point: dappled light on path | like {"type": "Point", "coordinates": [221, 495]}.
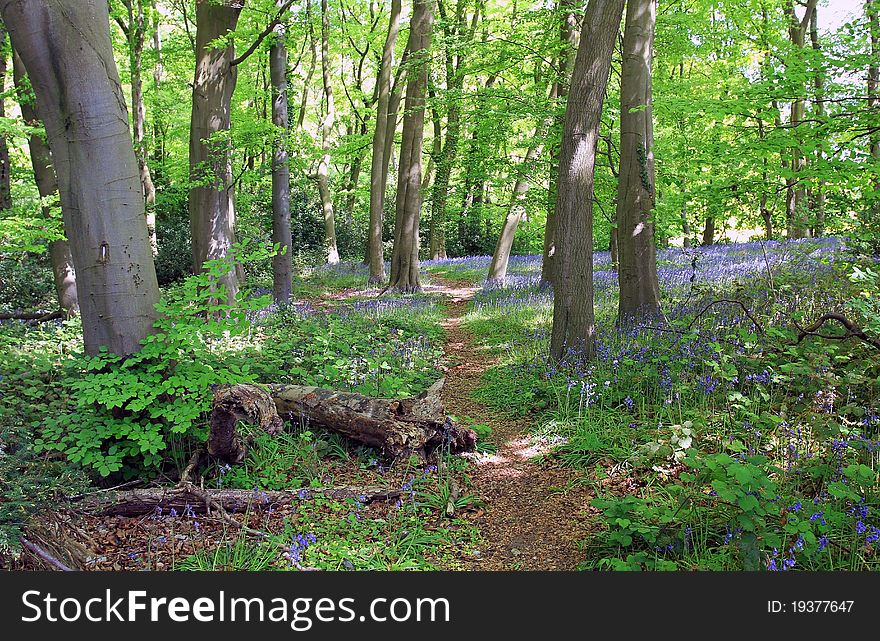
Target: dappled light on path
{"type": "Point", "coordinates": [535, 511]}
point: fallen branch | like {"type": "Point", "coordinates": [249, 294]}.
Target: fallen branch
{"type": "Point", "coordinates": [397, 427]}
{"type": "Point", "coordinates": [45, 556]}
{"type": "Point", "coordinates": [852, 330]}
{"type": "Point", "coordinates": [35, 317]}
{"type": "Point", "coordinates": [188, 499]}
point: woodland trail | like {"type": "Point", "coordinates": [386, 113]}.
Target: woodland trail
{"type": "Point", "coordinates": [534, 514]}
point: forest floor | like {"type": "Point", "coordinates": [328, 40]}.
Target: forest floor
{"type": "Point", "coordinates": [534, 510]}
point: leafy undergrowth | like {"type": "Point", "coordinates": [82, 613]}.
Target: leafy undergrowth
{"type": "Point", "coordinates": [65, 416]}
{"type": "Point", "coordinates": [712, 442]}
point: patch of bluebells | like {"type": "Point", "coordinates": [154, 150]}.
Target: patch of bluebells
{"type": "Point", "coordinates": [298, 547]}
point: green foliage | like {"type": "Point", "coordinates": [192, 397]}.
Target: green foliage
{"type": "Point", "coordinates": [126, 410]}
{"type": "Point", "coordinates": [31, 484]}
{"type": "Point", "coordinates": [281, 462]}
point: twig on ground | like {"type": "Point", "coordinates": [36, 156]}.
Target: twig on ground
{"type": "Point", "coordinates": [45, 556]}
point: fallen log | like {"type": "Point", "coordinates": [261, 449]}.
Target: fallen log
{"type": "Point", "coordinates": [190, 500]}
{"type": "Point", "coordinates": [397, 427]}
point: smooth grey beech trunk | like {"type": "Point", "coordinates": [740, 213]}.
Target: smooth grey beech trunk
{"type": "Point", "coordinates": [516, 209]}
{"type": "Point", "coordinates": [211, 198]}
{"type": "Point", "coordinates": [378, 166]}
{"type": "Point", "coordinates": [405, 256]}
{"type": "Point", "coordinates": [63, 272]}
{"type": "Point", "coordinates": [573, 317]}
{"type": "Point", "coordinates": [80, 100]}
{"type": "Point", "coordinates": [326, 132]}
{"type": "Point", "coordinates": [282, 265]}
{"type": "Point", "coordinates": [636, 249]}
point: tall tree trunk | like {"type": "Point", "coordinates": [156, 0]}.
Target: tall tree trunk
{"type": "Point", "coordinates": [5, 174]}
{"type": "Point", "coordinates": [158, 73]}
{"type": "Point", "coordinates": [282, 265]}
{"type": "Point", "coordinates": [568, 35]}
{"type": "Point", "coordinates": [137, 31]}
{"type": "Point", "coordinates": [709, 231]}
{"type": "Point", "coordinates": [817, 195]}
{"type": "Point", "coordinates": [637, 272]}
{"type": "Point", "coordinates": [872, 8]}
{"type": "Point", "coordinates": [326, 132]}
{"type": "Point", "coordinates": [80, 100]}
{"type": "Point", "coordinates": [573, 318]}
{"type": "Point", "coordinates": [457, 35]}
{"type": "Point", "coordinates": [685, 225]}
{"type": "Point", "coordinates": [378, 165]}
{"type": "Point", "coordinates": [47, 185]}
{"type": "Point", "coordinates": [405, 255]}
{"type": "Point", "coordinates": [797, 209]}
{"type": "Point", "coordinates": [211, 201]}
{"type": "Point", "coordinates": [516, 210]}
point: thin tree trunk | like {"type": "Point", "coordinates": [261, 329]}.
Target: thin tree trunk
{"type": "Point", "coordinates": [637, 253]}
{"type": "Point", "coordinates": [80, 100]}
{"type": "Point", "coordinates": [872, 7]}
{"type": "Point", "coordinates": [326, 132]}
{"type": "Point", "coordinates": [211, 204]}
{"type": "Point", "coordinates": [47, 185]}
{"type": "Point", "coordinates": [516, 210]}
{"type": "Point", "coordinates": [304, 98]}
{"type": "Point", "coordinates": [797, 210]}
{"type": "Point", "coordinates": [378, 163]}
{"type": "Point", "coordinates": [405, 255]}
{"type": "Point", "coordinates": [573, 317]}
{"type": "Point", "coordinates": [446, 161]}
{"type": "Point", "coordinates": [137, 31]}
{"type": "Point", "coordinates": [5, 174]}
{"type": "Point", "coordinates": [568, 35]}
{"type": "Point", "coordinates": [709, 231]}
{"type": "Point", "coordinates": [685, 225]}
{"type": "Point", "coordinates": [158, 73]}
{"type": "Point", "coordinates": [282, 265]}
{"type": "Point", "coordinates": [817, 196]}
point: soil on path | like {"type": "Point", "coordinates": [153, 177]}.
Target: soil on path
{"type": "Point", "coordinates": [534, 514]}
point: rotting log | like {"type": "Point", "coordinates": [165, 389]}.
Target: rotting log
{"type": "Point", "coordinates": [397, 427]}
{"type": "Point", "coordinates": [188, 500]}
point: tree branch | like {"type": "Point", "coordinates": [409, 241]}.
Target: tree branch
{"type": "Point", "coordinates": [269, 28]}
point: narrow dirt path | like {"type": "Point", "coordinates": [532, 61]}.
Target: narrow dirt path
{"type": "Point", "coordinates": [534, 514]}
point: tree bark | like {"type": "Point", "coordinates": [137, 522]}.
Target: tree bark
{"type": "Point", "coordinates": [573, 317]}
{"type": "Point", "coordinates": [405, 255]}
{"type": "Point", "coordinates": [568, 36]}
{"type": "Point", "coordinates": [282, 265]}
{"type": "Point", "coordinates": [186, 501]}
{"type": "Point", "coordinates": [637, 252]}
{"type": "Point", "coordinates": [137, 31]}
{"type": "Point", "coordinates": [872, 8]}
{"type": "Point", "coordinates": [398, 427]}
{"type": "Point", "coordinates": [211, 198]}
{"type": "Point", "coordinates": [797, 209]}
{"type": "Point", "coordinates": [516, 210]}
{"type": "Point", "coordinates": [326, 132]}
{"type": "Point", "coordinates": [709, 231]}
{"type": "Point", "coordinates": [454, 30]}
{"type": "Point", "coordinates": [63, 273]}
{"type": "Point", "coordinates": [5, 174]}
{"type": "Point", "coordinates": [81, 102]}
{"type": "Point", "coordinates": [817, 193]}
{"type": "Point", "coordinates": [378, 165]}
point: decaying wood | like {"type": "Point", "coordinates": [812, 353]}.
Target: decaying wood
{"type": "Point", "coordinates": [395, 426]}
{"type": "Point", "coordinates": [188, 500]}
